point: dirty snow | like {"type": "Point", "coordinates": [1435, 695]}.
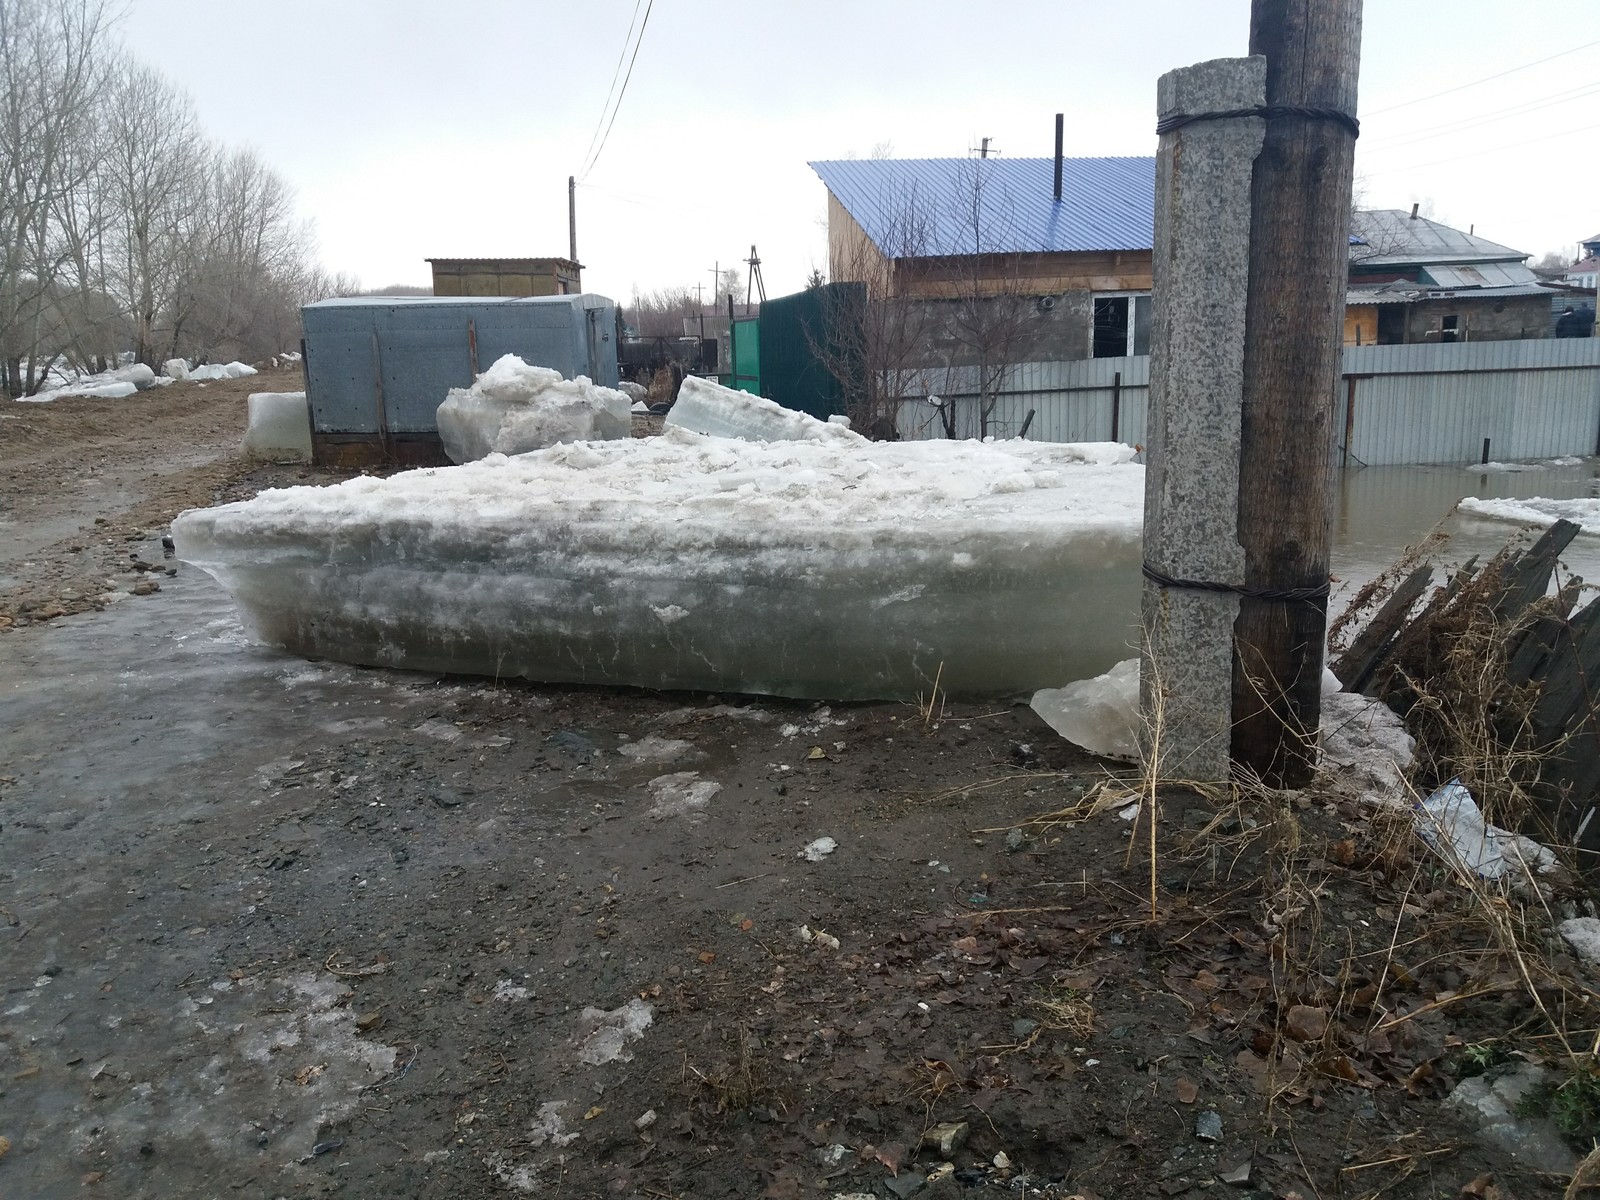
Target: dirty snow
{"type": "Point", "coordinates": [1538, 510]}
{"type": "Point", "coordinates": [607, 1035]}
{"type": "Point", "coordinates": [1451, 822]}
{"type": "Point", "coordinates": [513, 407]}
{"type": "Point", "coordinates": [565, 564]}
{"type": "Point", "coordinates": [1583, 935]}
{"type": "Point", "coordinates": [680, 794]}
{"type": "Point", "coordinates": [818, 850]}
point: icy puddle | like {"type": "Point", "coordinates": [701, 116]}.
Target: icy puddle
{"type": "Point", "coordinates": [831, 567]}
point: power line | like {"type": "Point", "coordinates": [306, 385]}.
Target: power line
{"type": "Point", "coordinates": [616, 108]}
{"type": "Point", "coordinates": [1475, 82]}
{"type": "Point", "coordinates": [1396, 140]}
{"type": "Point", "coordinates": [617, 70]}
{"type": "Point", "coordinates": [1487, 150]}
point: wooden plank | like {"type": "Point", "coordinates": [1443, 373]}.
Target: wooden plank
{"type": "Point", "coordinates": [1356, 665]}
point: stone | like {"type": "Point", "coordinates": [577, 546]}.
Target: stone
{"type": "Point", "coordinates": [947, 1138]}
{"type": "Point", "coordinates": [1208, 1126]}
{"type": "Point", "coordinates": [907, 1183]}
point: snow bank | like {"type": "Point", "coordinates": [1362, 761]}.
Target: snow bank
{"type": "Point", "coordinates": [233, 370]}
{"type": "Point", "coordinates": [1538, 510]}
{"type": "Point", "coordinates": [280, 427]}
{"type": "Point", "coordinates": [708, 407]}
{"type": "Point", "coordinates": [819, 569]}
{"type": "Point", "coordinates": [513, 408]}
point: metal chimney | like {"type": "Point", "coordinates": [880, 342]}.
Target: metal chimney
{"type": "Point", "coordinates": [1060, 125]}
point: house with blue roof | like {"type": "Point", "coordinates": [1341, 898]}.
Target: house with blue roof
{"type": "Point", "coordinates": [956, 229]}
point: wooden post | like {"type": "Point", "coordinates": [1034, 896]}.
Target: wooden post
{"type": "Point", "coordinates": [1299, 225]}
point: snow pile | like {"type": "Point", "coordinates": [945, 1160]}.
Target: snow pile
{"type": "Point", "coordinates": [513, 408]}
{"type": "Point", "coordinates": [175, 368]}
{"type": "Point", "coordinates": [1099, 714]}
{"type": "Point", "coordinates": [233, 370]}
{"type": "Point", "coordinates": [1497, 468]}
{"type": "Point", "coordinates": [280, 427]}
{"type": "Point", "coordinates": [1538, 510]}
{"type": "Point", "coordinates": [835, 570]}
{"type": "Point", "coordinates": [708, 407]}
{"type": "Point", "coordinates": [116, 384]}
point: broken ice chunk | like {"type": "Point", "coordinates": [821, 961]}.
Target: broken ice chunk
{"type": "Point", "coordinates": [513, 408]}
{"type": "Point", "coordinates": [1099, 714]}
{"type": "Point", "coordinates": [279, 427]}
{"type": "Point", "coordinates": [708, 407]}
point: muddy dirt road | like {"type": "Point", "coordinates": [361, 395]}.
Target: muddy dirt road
{"type": "Point", "coordinates": [271, 927]}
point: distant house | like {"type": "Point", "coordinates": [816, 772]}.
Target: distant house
{"type": "Point", "coordinates": [1417, 280]}
{"type": "Point", "coordinates": [948, 229]}
{"type": "Point", "coordinates": [506, 276]}
{"type": "Point", "coordinates": [1586, 271]}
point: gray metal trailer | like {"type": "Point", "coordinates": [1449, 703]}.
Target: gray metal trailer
{"type": "Point", "coordinates": [377, 368]}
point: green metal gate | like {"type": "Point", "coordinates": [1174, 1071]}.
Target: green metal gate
{"type": "Point", "coordinates": [804, 347]}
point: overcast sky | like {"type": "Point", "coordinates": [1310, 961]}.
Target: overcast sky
{"type": "Point", "coordinates": [418, 128]}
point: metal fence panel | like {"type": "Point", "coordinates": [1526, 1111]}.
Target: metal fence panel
{"type": "Point", "coordinates": [1398, 404]}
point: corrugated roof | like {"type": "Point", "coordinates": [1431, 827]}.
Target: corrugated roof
{"type": "Point", "coordinates": [922, 207]}
{"type": "Point", "coordinates": [1406, 292]}
{"type": "Point", "coordinates": [1393, 235]}
{"type": "Point", "coordinates": [1477, 275]}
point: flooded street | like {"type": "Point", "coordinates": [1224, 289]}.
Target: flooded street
{"type": "Point", "coordinates": [1379, 511]}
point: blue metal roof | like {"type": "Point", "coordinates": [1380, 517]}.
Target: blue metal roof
{"type": "Point", "coordinates": [918, 207]}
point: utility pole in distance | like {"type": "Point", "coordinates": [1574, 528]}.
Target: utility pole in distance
{"type": "Point", "coordinates": [572, 218]}
{"type": "Point", "coordinates": [1299, 265]}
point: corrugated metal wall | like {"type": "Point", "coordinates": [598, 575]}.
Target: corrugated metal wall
{"type": "Point", "coordinates": [1411, 404]}
{"type": "Point", "coordinates": [1437, 404]}
{"type": "Point", "coordinates": [1076, 401]}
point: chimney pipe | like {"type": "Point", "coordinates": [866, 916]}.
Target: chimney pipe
{"type": "Point", "coordinates": [1415, 204]}
{"type": "Point", "coordinates": [1060, 119]}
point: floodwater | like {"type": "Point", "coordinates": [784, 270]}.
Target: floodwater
{"type": "Point", "coordinates": [1379, 511]}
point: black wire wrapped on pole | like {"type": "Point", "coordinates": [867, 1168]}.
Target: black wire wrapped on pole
{"type": "Point", "coordinates": [1306, 594]}
{"type": "Point", "coordinates": [1265, 111]}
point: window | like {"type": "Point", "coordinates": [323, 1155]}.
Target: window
{"type": "Point", "coordinates": [1121, 326]}
{"type": "Point", "coordinates": [1449, 328]}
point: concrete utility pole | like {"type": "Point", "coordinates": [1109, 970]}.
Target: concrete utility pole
{"type": "Point", "coordinates": [1252, 215]}
{"type": "Point", "coordinates": [572, 218]}
{"type": "Point", "coordinates": [1294, 323]}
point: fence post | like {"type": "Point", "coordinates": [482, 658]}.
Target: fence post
{"type": "Point", "coordinates": [1192, 440]}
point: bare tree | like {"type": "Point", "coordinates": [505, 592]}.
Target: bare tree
{"type": "Point", "coordinates": [52, 78]}
{"type": "Point", "coordinates": [662, 312]}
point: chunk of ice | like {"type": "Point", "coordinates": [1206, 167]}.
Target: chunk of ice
{"type": "Point", "coordinates": [233, 370]}
{"type": "Point", "coordinates": [280, 427]}
{"type": "Point", "coordinates": [1012, 565]}
{"type": "Point", "coordinates": [513, 408]}
{"type": "Point", "coordinates": [1099, 714]}
{"type": "Point", "coordinates": [175, 368]}
{"type": "Point", "coordinates": [708, 407]}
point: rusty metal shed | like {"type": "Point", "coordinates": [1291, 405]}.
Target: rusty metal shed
{"type": "Point", "coordinates": [377, 368]}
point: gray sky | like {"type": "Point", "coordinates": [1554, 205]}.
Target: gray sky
{"type": "Point", "coordinates": [413, 129]}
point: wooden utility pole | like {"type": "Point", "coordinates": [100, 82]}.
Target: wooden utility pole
{"type": "Point", "coordinates": [1299, 247]}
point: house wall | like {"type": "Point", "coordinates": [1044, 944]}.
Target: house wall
{"type": "Point", "coordinates": [506, 277]}
{"type": "Point", "coordinates": [1361, 324]}
{"type": "Point", "coordinates": [945, 329]}
{"type": "Point", "coordinates": [1488, 319]}
{"type": "Point", "coordinates": [852, 256]}
{"type": "Point", "coordinates": [1025, 274]}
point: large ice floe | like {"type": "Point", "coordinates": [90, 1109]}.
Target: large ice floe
{"type": "Point", "coordinates": [707, 407]}
{"type": "Point", "coordinates": [834, 568]}
{"type": "Point", "coordinates": [513, 408]}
